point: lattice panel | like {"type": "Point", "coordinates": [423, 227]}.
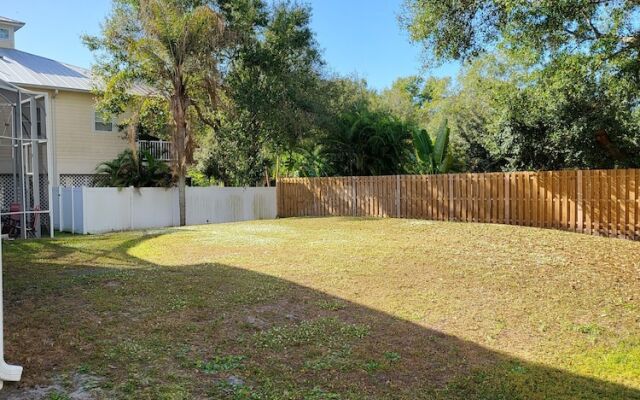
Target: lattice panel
{"type": "Point", "coordinates": [44, 192]}
{"type": "Point", "coordinates": [6, 191]}
{"type": "Point", "coordinates": [91, 180]}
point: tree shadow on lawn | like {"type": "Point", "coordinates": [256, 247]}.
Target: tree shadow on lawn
{"type": "Point", "coordinates": [220, 331]}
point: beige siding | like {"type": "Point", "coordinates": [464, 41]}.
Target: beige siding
{"type": "Point", "coordinates": [5, 160]}
{"type": "Point", "coordinates": [5, 156]}
{"type": "Point", "coordinates": [79, 148]}
{"type": "Point", "coordinates": [5, 131]}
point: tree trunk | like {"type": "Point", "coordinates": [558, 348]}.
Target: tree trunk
{"type": "Point", "coordinates": [180, 140]}
{"type": "Point", "coordinates": [182, 199]}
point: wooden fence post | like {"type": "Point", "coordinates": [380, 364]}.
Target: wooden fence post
{"type": "Point", "coordinates": [278, 197]}
{"type": "Point", "coordinates": [580, 227]}
{"type": "Point", "coordinates": [397, 196]}
{"type": "Point", "coordinates": [451, 217]}
{"type": "Point", "coordinates": [507, 202]}
{"type": "Point", "coordinates": [353, 196]}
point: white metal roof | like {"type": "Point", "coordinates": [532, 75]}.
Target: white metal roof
{"type": "Point", "coordinates": [21, 68]}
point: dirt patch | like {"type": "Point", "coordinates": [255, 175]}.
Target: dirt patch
{"type": "Point", "coordinates": [79, 387]}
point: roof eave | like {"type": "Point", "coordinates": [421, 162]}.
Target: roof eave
{"type": "Point", "coordinates": [16, 24]}
{"type": "Point", "coordinates": [45, 87]}
{"type": "Point", "coordinates": [77, 90]}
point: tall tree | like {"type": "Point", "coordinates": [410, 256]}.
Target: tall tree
{"type": "Point", "coordinates": [573, 73]}
{"type": "Point", "coordinates": [273, 82]}
{"type": "Point", "coordinates": [404, 98]}
{"type": "Point", "coordinates": [173, 48]}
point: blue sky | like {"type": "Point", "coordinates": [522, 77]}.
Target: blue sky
{"type": "Point", "coordinates": [357, 37]}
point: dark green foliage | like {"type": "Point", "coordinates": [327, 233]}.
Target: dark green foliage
{"type": "Point", "coordinates": [368, 143]}
{"type": "Point", "coordinates": [574, 117]}
{"type": "Point", "coordinates": [130, 170]}
{"type": "Point", "coordinates": [154, 119]}
{"type": "Point", "coordinates": [273, 88]}
{"type": "Point", "coordinates": [305, 162]}
{"type": "Point", "coordinates": [233, 156]}
{"type": "Point", "coordinates": [560, 87]}
{"type": "Point", "coordinates": [364, 141]}
{"type": "Point", "coordinates": [564, 115]}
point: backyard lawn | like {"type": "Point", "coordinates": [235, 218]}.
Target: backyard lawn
{"type": "Point", "coordinates": [327, 308]}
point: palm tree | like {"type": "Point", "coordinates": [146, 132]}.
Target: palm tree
{"type": "Point", "coordinates": [121, 171]}
{"type": "Point", "coordinates": [303, 161]}
{"type": "Point", "coordinates": [368, 143]}
{"type": "Point", "coordinates": [128, 170]}
{"type": "Point", "coordinates": [173, 47]}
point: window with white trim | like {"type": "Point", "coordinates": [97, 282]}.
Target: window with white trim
{"type": "Point", "coordinates": [100, 124]}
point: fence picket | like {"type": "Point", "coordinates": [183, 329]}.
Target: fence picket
{"type": "Point", "coordinates": [632, 222]}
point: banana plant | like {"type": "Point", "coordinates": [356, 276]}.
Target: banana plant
{"type": "Point", "coordinates": [433, 158]}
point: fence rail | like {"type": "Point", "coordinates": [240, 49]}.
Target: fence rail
{"type": "Point", "coordinates": [601, 202]}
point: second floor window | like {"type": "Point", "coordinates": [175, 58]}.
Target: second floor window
{"type": "Point", "coordinates": [101, 124]}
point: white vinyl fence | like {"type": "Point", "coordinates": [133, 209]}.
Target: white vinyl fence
{"type": "Point", "coordinates": [96, 210]}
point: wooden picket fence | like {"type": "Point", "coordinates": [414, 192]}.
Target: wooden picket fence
{"type": "Point", "coordinates": [601, 202]}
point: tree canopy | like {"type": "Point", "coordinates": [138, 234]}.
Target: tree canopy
{"type": "Point", "coordinates": [273, 85]}
{"type": "Point", "coordinates": [555, 84]}
{"type": "Point", "coordinates": [463, 30]}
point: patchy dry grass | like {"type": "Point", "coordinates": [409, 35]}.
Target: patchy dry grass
{"type": "Point", "coordinates": [333, 308]}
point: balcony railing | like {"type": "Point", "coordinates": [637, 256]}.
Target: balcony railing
{"type": "Point", "coordinates": [159, 149]}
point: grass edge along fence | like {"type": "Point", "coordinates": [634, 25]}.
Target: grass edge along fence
{"type": "Point", "coordinates": [599, 202]}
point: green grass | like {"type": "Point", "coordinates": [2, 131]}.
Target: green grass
{"type": "Point", "coordinates": [222, 363]}
{"type": "Point", "coordinates": [333, 308]}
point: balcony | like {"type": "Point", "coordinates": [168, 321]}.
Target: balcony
{"type": "Point", "coordinates": [159, 149]}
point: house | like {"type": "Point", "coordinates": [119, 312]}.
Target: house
{"type": "Point", "coordinates": [78, 137]}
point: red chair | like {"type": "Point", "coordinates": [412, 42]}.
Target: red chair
{"type": "Point", "coordinates": [15, 225]}
{"type": "Point", "coordinates": [14, 220]}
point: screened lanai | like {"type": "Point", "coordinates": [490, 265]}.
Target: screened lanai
{"type": "Point", "coordinates": [25, 163]}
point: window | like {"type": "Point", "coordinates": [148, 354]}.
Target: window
{"type": "Point", "coordinates": [4, 34]}
{"type": "Point", "coordinates": [102, 125]}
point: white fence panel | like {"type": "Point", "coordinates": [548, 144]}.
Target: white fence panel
{"type": "Point", "coordinates": [154, 208]}
{"type": "Point", "coordinates": [70, 209]}
{"type": "Point", "coordinates": [206, 205]}
{"type": "Point", "coordinates": [107, 209]}
{"type": "Point", "coordinates": [98, 210]}
{"type": "Point", "coordinates": [55, 207]}
{"type": "Point", "coordinates": [113, 209]}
